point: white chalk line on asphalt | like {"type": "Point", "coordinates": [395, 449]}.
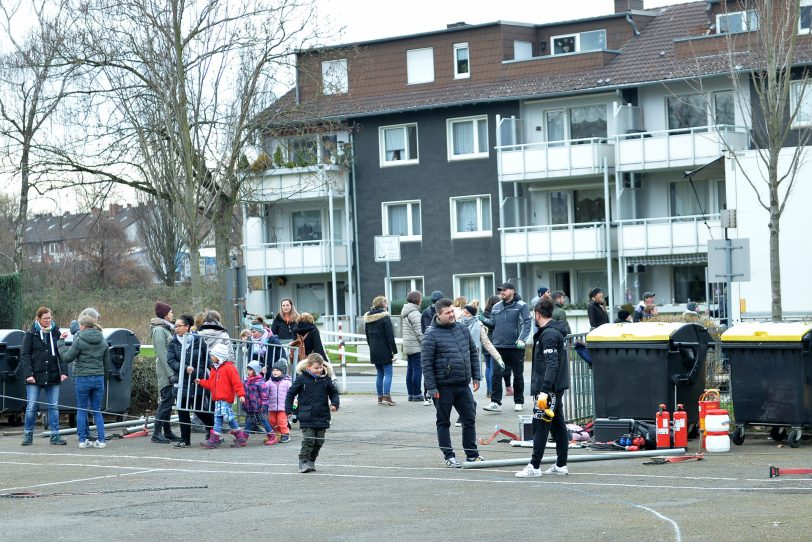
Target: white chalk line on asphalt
{"type": "Point", "coordinates": [75, 481]}
{"type": "Point", "coordinates": [677, 531]}
{"type": "Point", "coordinates": [425, 478]}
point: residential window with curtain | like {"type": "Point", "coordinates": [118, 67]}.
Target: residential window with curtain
{"type": "Point", "coordinates": [306, 225]}
{"type": "Point", "coordinates": [689, 198]}
{"type": "Point", "coordinates": [398, 144]}
{"type": "Point", "coordinates": [401, 286]}
{"type": "Point", "coordinates": [587, 122]}
{"type": "Point", "coordinates": [801, 101]}
{"type": "Point", "coordinates": [471, 216]}
{"type": "Point", "coordinates": [589, 205]}
{"type": "Point", "coordinates": [467, 138]}
{"type": "Point", "coordinates": [402, 218]}
{"type": "Point", "coordinates": [474, 286]}
{"type": "Point", "coordinates": [688, 111]}
{"type": "Point", "coordinates": [462, 67]}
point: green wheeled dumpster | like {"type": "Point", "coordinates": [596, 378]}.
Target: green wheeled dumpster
{"type": "Point", "coordinates": [638, 366]}
{"type": "Point", "coordinates": [770, 377]}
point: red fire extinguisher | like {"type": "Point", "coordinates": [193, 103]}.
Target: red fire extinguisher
{"type": "Point", "coordinates": [680, 427]}
{"type": "Point", "coordinates": [663, 432]}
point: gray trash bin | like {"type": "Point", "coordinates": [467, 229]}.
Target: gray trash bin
{"type": "Point", "coordinates": [12, 384]}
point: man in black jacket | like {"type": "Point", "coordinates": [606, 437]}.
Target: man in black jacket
{"type": "Point", "coordinates": [450, 362]}
{"type": "Point", "coordinates": [428, 314]}
{"type": "Point", "coordinates": [550, 378]}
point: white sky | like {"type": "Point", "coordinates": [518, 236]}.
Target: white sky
{"type": "Point", "coordinates": [362, 20]}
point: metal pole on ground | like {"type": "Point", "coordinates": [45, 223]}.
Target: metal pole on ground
{"type": "Point", "coordinates": [579, 458]}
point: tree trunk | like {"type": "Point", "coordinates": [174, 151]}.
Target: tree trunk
{"type": "Point", "coordinates": [22, 214]}
{"type": "Point", "coordinates": [223, 217]}
{"type": "Point", "coordinates": [194, 268]}
{"type": "Point", "coordinates": [775, 262]}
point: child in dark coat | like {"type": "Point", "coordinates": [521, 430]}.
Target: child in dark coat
{"type": "Point", "coordinates": [257, 403]}
{"type": "Point", "coordinates": [313, 389]}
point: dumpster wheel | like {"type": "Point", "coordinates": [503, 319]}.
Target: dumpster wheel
{"type": "Point", "coordinates": [795, 438]}
{"type": "Point", "coordinates": [778, 433]}
{"type": "Point", "coordinates": [737, 436]}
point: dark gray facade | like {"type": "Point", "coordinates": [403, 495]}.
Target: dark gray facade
{"type": "Point", "coordinates": [436, 179]}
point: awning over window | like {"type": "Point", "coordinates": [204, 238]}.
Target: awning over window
{"type": "Point", "coordinates": [710, 171]}
{"type": "Point", "coordinates": [674, 259]}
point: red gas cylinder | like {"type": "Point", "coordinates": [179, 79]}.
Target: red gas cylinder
{"type": "Point", "coordinates": [680, 427]}
{"type": "Point", "coordinates": [663, 432]}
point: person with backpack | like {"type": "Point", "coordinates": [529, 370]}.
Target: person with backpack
{"type": "Point", "coordinates": [308, 338]}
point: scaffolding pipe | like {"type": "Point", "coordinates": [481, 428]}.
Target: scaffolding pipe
{"type": "Point", "coordinates": [131, 423]}
{"type": "Point", "coordinates": [572, 459]}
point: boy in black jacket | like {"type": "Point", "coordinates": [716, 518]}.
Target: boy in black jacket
{"type": "Point", "coordinates": [313, 388]}
{"type": "Point", "coordinates": [550, 378]}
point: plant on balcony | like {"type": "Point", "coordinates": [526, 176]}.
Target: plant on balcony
{"type": "Point", "coordinates": [262, 163]}
{"type": "Point", "coordinates": [278, 159]}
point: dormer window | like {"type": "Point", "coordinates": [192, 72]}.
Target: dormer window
{"type": "Point", "coordinates": [462, 66]}
{"type": "Point", "coordinates": [738, 21]}
{"type": "Point", "coordinates": [334, 76]}
{"type": "Point", "coordinates": [579, 43]}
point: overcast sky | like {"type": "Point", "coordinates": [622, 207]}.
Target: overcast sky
{"type": "Point", "coordinates": [362, 20]}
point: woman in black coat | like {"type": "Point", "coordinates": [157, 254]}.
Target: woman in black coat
{"type": "Point", "coordinates": [284, 323]}
{"type": "Point", "coordinates": [43, 370]}
{"type": "Point", "coordinates": [382, 347]}
{"type": "Point", "coordinates": [308, 334]}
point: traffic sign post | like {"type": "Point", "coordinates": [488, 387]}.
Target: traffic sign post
{"type": "Point", "coordinates": [387, 249]}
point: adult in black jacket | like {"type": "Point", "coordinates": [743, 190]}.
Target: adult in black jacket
{"type": "Point", "coordinates": [550, 378]}
{"type": "Point", "coordinates": [596, 309]}
{"type": "Point", "coordinates": [450, 362]}
{"type": "Point", "coordinates": [42, 369]}
{"type": "Point", "coordinates": [382, 347]}
{"type": "Point", "coordinates": [428, 315]}
{"type": "Point", "coordinates": [306, 328]}
{"type": "Point", "coordinates": [186, 367]}
{"type": "Point", "coordinates": [284, 323]}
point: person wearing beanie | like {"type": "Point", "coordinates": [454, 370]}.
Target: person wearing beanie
{"type": "Point", "coordinates": [639, 313]}
{"type": "Point", "coordinates": [224, 384]}
{"type": "Point", "coordinates": [161, 328]}
{"type": "Point", "coordinates": [542, 292]}
{"type": "Point", "coordinates": [278, 386]}
{"type": "Point", "coordinates": [257, 403]}
{"type": "Point", "coordinates": [265, 347]}
{"type": "Point", "coordinates": [428, 314]}
{"type": "Point", "coordinates": [596, 310]}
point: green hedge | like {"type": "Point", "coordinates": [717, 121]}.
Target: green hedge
{"type": "Point", "coordinates": [11, 295]}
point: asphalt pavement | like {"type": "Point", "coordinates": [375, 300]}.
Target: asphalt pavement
{"type": "Point", "coordinates": [380, 476]}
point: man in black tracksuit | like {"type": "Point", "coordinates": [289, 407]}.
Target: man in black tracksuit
{"type": "Point", "coordinates": [450, 362]}
{"type": "Point", "coordinates": [550, 376]}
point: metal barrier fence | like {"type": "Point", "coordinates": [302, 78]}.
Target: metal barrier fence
{"type": "Point", "coordinates": [579, 405]}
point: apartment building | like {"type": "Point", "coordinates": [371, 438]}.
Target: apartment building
{"type": "Point", "coordinates": [583, 153]}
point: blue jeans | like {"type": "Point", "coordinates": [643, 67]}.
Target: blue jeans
{"type": "Point", "coordinates": [223, 413]}
{"type": "Point", "coordinates": [89, 392]}
{"type": "Point", "coordinates": [253, 419]}
{"type": "Point", "coordinates": [32, 406]}
{"type": "Point", "coordinates": [414, 375]}
{"type": "Point", "coordinates": [383, 381]}
{"type": "Point", "coordinates": [488, 371]}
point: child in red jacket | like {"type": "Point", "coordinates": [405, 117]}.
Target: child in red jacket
{"type": "Point", "coordinates": [223, 383]}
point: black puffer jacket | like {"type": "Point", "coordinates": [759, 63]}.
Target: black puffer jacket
{"type": "Point", "coordinates": [40, 356]}
{"type": "Point", "coordinates": [285, 331]}
{"type": "Point", "coordinates": [312, 392]}
{"type": "Point", "coordinates": [551, 371]}
{"type": "Point", "coordinates": [380, 337]}
{"type": "Point", "coordinates": [449, 356]}
{"type": "Point", "coordinates": [427, 317]}
{"type": "Point", "coordinates": [197, 357]}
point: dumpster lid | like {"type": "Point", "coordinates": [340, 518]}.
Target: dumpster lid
{"type": "Point", "coordinates": [767, 332]}
{"type": "Point", "coordinates": [638, 331]}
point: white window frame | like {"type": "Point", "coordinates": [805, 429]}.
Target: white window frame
{"type": "Point", "coordinates": [480, 213]}
{"type": "Point", "coordinates": [801, 121]}
{"type": "Point", "coordinates": [382, 145]}
{"type": "Point", "coordinates": [334, 76]}
{"type": "Point", "coordinates": [449, 124]}
{"type": "Point", "coordinates": [414, 66]}
{"type": "Point", "coordinates": [577, 36]}
{"type": "Point", "coordinates": [459, 47]}
{"type": "Point", "coordinates": [412, 285]}
{"type": "Point", "coordinates": [524, 45]}
{"type": "Point", "coordinates": [804, 29]}
{"type": "Point", "coordinates": [483, 293]}
{"type": "Point", "coordinates": [746, 16]}
{"type": "Point", "coordinates": [410, 225]}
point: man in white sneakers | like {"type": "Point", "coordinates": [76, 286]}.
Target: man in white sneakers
{"type": "Point", "coordinates": [549, 379]}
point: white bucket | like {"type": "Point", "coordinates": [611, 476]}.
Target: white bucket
{"type": "Point", "coordinates": [717, 441]}
{"type": "Point", "coordinates": [717, 421]}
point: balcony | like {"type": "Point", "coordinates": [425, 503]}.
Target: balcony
{"type": "Point", "coordinates": [294, 258]}
{"type": "Point", "coordinates": [297, 183]}
{"type": "Point", "coordinates": [683, 148]}
{"type": "Point", "coordinates": [554, 159]}
{"type": "Point", "coordinates": [668, 236]}
{"type": "Point", "coordinates": [585, 241]}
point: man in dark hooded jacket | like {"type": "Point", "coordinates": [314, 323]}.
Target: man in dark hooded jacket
{"type": "Point", "coordinates": [549, 379]}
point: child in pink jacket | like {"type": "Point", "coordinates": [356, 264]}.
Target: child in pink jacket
{"type": "Point", "coordinates": [278, 386]}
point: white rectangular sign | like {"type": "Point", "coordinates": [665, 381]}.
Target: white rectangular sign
{"type": "Point", "coordinates": [387, 248]}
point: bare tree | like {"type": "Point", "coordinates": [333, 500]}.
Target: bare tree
{"type": "Point", "coordinates": [33, 83]}
{"type": "Point", "coordinates": [763, 63]}
{"type": "Point", "coordinates": [8, 217]}
{"type": "Point", "coordinates": [161, 233]}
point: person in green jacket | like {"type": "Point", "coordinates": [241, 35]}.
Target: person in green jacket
{"type": "Point", "coordinates": [90, 353]}
{"type": "Point", "coordinates": [161, 328]}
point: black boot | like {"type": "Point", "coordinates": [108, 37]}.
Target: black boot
{"type": "Point", "coordinates": [169, 434]}
{"type": "Point", "coordinates": [157, 435]}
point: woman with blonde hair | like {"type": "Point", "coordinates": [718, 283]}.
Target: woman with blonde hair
{"type": "Point", "coordinates": [459, 305]}
{"type": "Point", "coordinates": [382, 348]}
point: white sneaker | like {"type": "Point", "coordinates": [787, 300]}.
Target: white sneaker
{"type": "Point", "coordinates": [518, 408]}
{"type": "Point", "coordinates": [493, 407]}
{"type": "Point", "coordinates": [555, 469]}
{"type": "Point", "coordinates": [98, 444]}
{"type": "Point", "coordinates": [453, 463]}
{"type": "Point", "coordinates": [528, 472]}
{"type": "Point", "coordinates": [85, 444]}
{"type": "Point", "coordinates": [427, 402]}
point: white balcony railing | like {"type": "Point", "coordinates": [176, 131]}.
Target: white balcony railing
{"type": "Point", "coordinates": [584, 241]}
{"type": "Point", "coordinates": [686, 147]}
{"type": "Point", "coordinates": [298, 183]}
{"type": "Point", "coordinates": [554, 159]}
{"type": "Point", "coordinates": [294, 258]}
{"type": "Point", "coordinates": [667, 236]}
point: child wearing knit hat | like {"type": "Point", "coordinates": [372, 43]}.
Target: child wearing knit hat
{"type": "Point", "coordinates": [278, 386]}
